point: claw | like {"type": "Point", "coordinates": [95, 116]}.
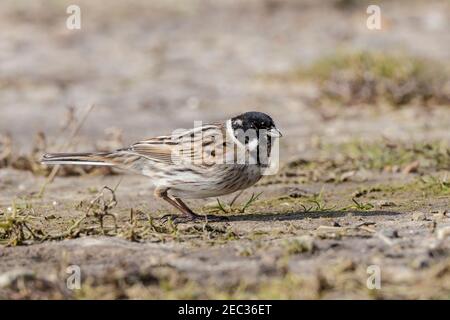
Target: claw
{"type": "Point", "coordinates": [166, 217]}
{"type": "Point", "coordinates": [176, 218]}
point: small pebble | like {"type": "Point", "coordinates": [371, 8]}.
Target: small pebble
{"type": "Point", "coordinates": [443, 233]}
{"type": "Point", "coordinates": [440, 215]}
{"type": "Point", "coordinates": [383, 203]}
{"type": "Point", "coordinates": [419, 216]}
{"type": "Point", "coordinates": [421, 263]}
{"type": "Point", "coordinates": [10, 277]}
{"type": "Point", "coordinates": [390, 233]}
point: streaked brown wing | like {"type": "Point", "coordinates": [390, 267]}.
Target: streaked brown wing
{"type": "Point", "coordinates": [156, 152]}
{"type": "Point", "coordinates": [194, 146]}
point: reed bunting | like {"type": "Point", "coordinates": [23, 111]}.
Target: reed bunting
{"type": "Point", "coordinates": [207, 161]}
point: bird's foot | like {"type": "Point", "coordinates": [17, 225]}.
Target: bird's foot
{"type": "Point", "coordinates": [176, 218]}
{"type": "Point", "coordinates": [213, 218]}
{"type": "Point", "coordinates": [192, 218]}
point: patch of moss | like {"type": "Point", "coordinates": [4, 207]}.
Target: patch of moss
{"type": "Point", "coordinates": [372, 77]}
{"type": "Point", "coordinates": [384, 156]}
{"type": "Point", "coordinates": [18, 225]}
{"type": "Point", "coordinates": [299, 245]}
{"type": "Point", "coordinates": [338, 162]}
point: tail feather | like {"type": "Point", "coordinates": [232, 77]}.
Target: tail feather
{"type": "Point", "coordinates": [92, 159]}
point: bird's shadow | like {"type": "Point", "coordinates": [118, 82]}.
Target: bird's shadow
{"type": "Point", "coordinates": [301, 215]}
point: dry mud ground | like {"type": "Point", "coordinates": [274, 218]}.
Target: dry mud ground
{"type": "Point", "coordinates": [360, 187]}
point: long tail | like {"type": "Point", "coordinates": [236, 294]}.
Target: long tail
{"type": "Point", "coordinates": [91, 159]}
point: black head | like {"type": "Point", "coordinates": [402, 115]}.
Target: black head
{"type": "Point", "coordinates": [256, 130]}
{"type": "Point", "coordinates": [254, 121]}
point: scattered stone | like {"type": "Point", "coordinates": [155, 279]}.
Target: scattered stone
{"type": "Point", "coordinates": [419, 216]}
{"type": "Point", "coordinates": [245, 251]}
{"type": "Point", "coordinates": [443, 233]}
{"type": "Point", "coordinates": [347, 175]}
{"type": "Point", "coordinates": [391, 169]}
{"type": "Point", "coordinates": [9, 278]}
{"type": "Point", "coordinates": [301, 244]}
{"type": "Point", "coordinates": [390, 233]}
{"type": "Point", "coordinates": [385, 239]}
{"type": "Point", "coordinates": [440, 215]}
{"type": "Point", "coordinates": [432, 226]}
{"type": "Point", "coordinates": [421, 262]}
{"type": "Point", "coordinates": [437, 251]}
{"type": "Point", "coordinates": [329, 232]}
{"type": "Point", "coordinates": [295, 192]}
{"type": "Point", "coordinates": [328, 228]}
{"type": "Point", "coordinates": [363, 192]}
{"type": "Point", "coordinates": [383, 203]}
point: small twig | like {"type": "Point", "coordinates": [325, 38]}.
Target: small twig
{"type": "Point", "coordinates": [66, 145]}
{"type": "Point", "coordinates": [330, 229]}
{"type": "Point", "coordinates": [385, 239]}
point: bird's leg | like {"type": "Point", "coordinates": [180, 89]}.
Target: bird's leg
{"type": "Point", "coordinates": [208, 217]}
{"type": "Point", "coordinates": [187, 213]}
{"type": "Point", "coordinates": [185, 208]}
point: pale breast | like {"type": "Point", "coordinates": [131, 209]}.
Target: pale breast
{"type": "Point", "coordinates": [212, 183]}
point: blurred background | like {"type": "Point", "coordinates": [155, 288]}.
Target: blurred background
{"type": "Point", "coordinates": [153, 66]}
{"type": "Point", "coordinates": [365, 156]}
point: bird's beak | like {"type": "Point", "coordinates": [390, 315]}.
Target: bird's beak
{"type": "Point", "coordinates": [274, 133]}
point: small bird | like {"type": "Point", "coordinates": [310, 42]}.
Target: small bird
{"type": "Point", "coordinates": [207, 161]}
